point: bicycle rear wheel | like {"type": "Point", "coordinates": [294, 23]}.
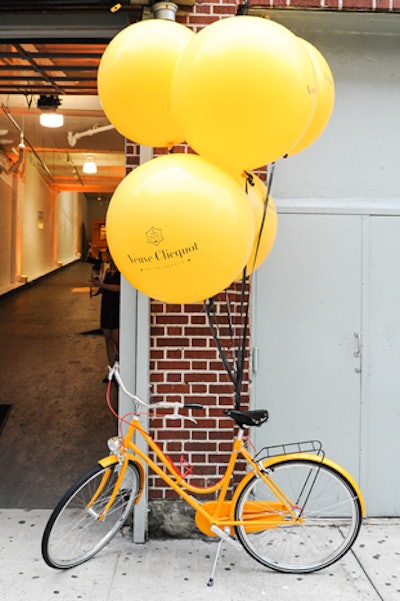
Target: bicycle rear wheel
{"type": "Point", "coordinates": [74, 533]}
{"type": "Point", "coordinates": [328, 522]}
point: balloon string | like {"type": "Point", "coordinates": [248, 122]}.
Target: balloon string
{"type": "Point", "coordinates": [236, 368]}
{"type": "Point", "coordinates": [244, 310]}
{"type": "Point", "coordinates": [230, 328]}
{"type": "Point", "coordinates": [214, 326]}
{"type": "Point", "coordinates": [271, 170]}
{"type": "Point", "coordinates": [244, 9]}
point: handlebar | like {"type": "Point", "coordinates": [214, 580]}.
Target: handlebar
{"type": "Point", "coordinates": [114, 372]}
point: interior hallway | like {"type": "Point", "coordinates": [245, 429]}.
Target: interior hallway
{"type": "Point", "coordinates": [52, 363]}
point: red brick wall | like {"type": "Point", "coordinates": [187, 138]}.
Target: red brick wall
{"type": "Point", "coordinates": [185, 366]}
{"type": "Point", "coordinates": [207, 12]}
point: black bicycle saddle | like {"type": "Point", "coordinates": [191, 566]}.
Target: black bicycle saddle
{"type": "Point", "coordinates": [257, 417]}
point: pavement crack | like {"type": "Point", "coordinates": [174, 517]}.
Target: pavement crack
{"type": "Point", "coordinates": [367, 576]}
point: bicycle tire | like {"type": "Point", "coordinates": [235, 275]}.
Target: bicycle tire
{"type": "Point", "coordinates": [73, 534]}
{"type": "Point", "coordinates": [322, 497]}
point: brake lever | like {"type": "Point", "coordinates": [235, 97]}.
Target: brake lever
{"type": "Point", "coordinates": [176, 414]}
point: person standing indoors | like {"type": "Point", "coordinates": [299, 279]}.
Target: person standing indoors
{"type": "Point", "coordinates": [110, 288]}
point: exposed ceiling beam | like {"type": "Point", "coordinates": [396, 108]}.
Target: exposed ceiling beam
{"type": "Point", "coordinates": [33, 6]}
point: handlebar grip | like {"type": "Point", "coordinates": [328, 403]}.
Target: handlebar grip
{"type": "Point", "coordinates": [193, 406]}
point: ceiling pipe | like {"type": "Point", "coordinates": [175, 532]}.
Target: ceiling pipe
{"type": "Point", "coordinates": [41, 162]}
{"type": "Point", "coordinates": [73, 138]}
{"type": "Point", "coordinates": [21, 154]}
{"type": "Point", "coordinates": [165, 10]}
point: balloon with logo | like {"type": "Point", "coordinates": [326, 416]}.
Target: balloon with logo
{"type": "Point", "coordinates": [325, 98]}
{"type": "Point", "coordinates": [179, 228]}
{"type": "Point", "coordinates": [265, 219]}
{"type": "Point", "coordinates": [134, 81]}
{"type": "Point", "coordinates": [243, 92]}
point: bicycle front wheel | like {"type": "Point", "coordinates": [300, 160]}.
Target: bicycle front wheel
{"type": "Point", "coordinates": [76, 529]}
{"type": "Point", "coordinates": [323, 524]}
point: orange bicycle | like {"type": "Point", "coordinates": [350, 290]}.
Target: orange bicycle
{"type": "Point", "coordinates": [294, 511]}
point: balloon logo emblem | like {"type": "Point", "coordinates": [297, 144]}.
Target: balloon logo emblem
{"type": "Point", "coordinates": [154, 236]}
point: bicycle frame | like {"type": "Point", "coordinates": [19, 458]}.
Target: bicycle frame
{"type": "Point", "coordinates": [221, 518]}
{"type": "Point", "coordinates": [212, 517]}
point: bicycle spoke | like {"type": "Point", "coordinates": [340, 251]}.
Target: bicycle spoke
{"type": "Point", "coordinates": [328, 517]}
{"type": "Point", "coordinates": [74, 532]}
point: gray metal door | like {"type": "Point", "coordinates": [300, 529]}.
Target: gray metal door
{"type": "Point", "coordinates": [306, 334]}
{"type": "Point", "coordinates": [381, 382]}
{"type": "Point", "coordinates": [327, 345]}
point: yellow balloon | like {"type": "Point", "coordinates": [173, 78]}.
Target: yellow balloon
{"type": "Point", "coordinates": [325, 98]}
{"type": "Point", "coordinates": [266, 222]}
{"type": "Point", "coordinates": [179, 228]}
{"type": "Point", "coordinates": [134, 81]}
{"type": "Point", "coordinates": [243, 92]}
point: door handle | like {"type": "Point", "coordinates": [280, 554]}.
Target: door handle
{"type": "Point", "coordinates": [357, 349]}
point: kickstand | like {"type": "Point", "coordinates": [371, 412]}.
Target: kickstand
{"type": "Point", "coordinates": [223, 536]}
{"type": "Point", "coordinates": [211, 580]}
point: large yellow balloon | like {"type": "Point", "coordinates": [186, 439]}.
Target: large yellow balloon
{"type": "Point", "coordinates": [244, 92]}
{"type": "Point", "coordinates": [325, 98]}
{"type": "Point", "coordinates": [179, 228]}
{"type": "Point", "coordinates": [134, 81]}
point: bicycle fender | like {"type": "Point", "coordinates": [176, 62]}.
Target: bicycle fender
{"type": "Point", "coordinates": [113, 459]}
{"type": "Point", "coordinates": [108, 461]}
{"type": "Point", "coordinates": [309, 457]}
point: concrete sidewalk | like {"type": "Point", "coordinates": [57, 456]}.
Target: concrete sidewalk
{"type": "Point", "coordinates": [166, 570]}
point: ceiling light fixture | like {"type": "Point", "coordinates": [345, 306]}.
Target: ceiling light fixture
{"type": "Point", "coordinates": [49, 117]}
{"type": "Point", "coordinates": [89, 166]}
{"type": "Point", "coordinates": [51, 120]}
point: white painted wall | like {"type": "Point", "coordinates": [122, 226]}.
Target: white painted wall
{"type": "Point", "coordinates": [6, 238]}
{"type": "Point", "coordinates": [41, 229]}
{"type": "Point", "coordinates": [357, 156]}
{"type": "Point", "coordinates": [69, 219]}
{"type": "Point", "coordinates": [38, 223]}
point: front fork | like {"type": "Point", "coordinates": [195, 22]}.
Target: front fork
{"type": "Point", "coordinates": [106, 476]}
{"type": "Point", "coordinates": [118, 459]}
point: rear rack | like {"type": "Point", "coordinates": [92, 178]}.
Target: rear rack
{"type": "Point", "coordinates": [305, 446]}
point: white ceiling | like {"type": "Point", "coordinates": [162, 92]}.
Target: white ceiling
{"type": "Point", "coordinates": [68, 70]}
{"type": "Point", "coordinates": [63, 160]}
